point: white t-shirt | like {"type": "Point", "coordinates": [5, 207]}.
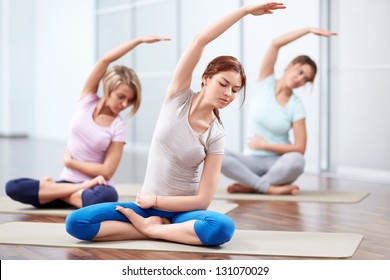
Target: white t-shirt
{"type": "Point", "coordinates": [177, 151]}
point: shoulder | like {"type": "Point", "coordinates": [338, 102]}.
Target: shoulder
{"type": "Point", "coordinates": [266, 84]}
{"type": "Point", "coordinates": [217, 132]}
{"type": "Point", "coordinates": [295, 100]}
{"type": "Point", "coordinates": [181, 95]}
{"type": "Point", "coordinates": [269, 80]}
{"type": "Point", "coordinates": [264, 88]}
{"type": "Point", "coordinates": [88, 100]}
{"type": "Point", "coordinates": [297, 107]}
{"type": "Point", "coordinates": [119, 123]}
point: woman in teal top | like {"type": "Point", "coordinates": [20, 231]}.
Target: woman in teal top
{"type": "Point", "coordinates": [271, 163]}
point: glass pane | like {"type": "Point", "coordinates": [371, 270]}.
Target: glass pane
{"type": "Point", "coordinates": [153, 94]}
{"type": "Point", "coordinates": [114, 29]}
{"type": "Point", "coordinates": [195, 16]}
{"type": "Point", "coordinates": [157, 19]}
{"type": "Point", "coordinates": [360, 132]}
{"type": "Point", "coordinates": [111, 3]}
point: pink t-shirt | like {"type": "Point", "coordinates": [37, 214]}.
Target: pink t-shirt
{"type": "Point", "coordinates": [89, 141]}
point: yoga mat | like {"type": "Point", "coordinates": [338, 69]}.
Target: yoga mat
{"type": "Point", "coordinates": [244, 242]}
{"type": "Point", "coordinates": [8, 205]}
{"type": "Point", "coordinates": [302, 196]}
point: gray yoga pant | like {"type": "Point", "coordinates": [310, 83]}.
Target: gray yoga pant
{"type": "Point", "coordinates": [260, 172]}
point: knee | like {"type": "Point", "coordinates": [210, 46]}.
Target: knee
{"type": "Point", "coordinates": [215, 230]}
{"type": "Point", "coordinates": [296, 162]}
{"type": "Point", "coordinates": [24, 190]}
{"type": "Point", "coordinates": [11, 188]}
{"type": "Point", "coordinates": [72, 224]}
{"type": "Point", "coordinates": [78, 227]}
{"type": "Point", "coordinates": [99, 194]}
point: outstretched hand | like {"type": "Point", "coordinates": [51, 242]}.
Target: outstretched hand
{"type": "Point", "coordinates": [265, 8]}
{"type": "Point", "coordinates": [322, 32]}
{"type": "Point", "coordinates": [154, 39]}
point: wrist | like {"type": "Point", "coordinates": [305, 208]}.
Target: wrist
{"type": "Point", "coordinates": [68, 162]}
{"type": "Point", "coordinates": [246, 9]}
{"type": "Point", "coordinates": [265, 147]}
{"type": "Point", "coordinates": [155, 202]}
{"type": "Point", "coordinates": [140, 40]}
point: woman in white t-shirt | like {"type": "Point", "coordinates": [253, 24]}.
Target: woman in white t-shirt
{"type": "Point", "coordinates": [271, 163]}
{"type": "Point", "coordinates": [96, 141]}
{"type": "Point", "coordinates": [174, 199]}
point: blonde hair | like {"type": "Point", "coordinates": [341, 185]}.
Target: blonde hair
{"type": "Point", "coordinates": [119, 75]}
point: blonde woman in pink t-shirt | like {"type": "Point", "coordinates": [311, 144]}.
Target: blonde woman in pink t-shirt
{"type": "Point", "coordinates": [96, 141]}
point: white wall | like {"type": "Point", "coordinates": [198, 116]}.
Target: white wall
{"type": "Point", "coordinates": [17, 75]}
{"type": "Point", "coordinates": [64, 52]}
{"type": "Point", "coordinates": [360, 95]}
{"type": "Point", "coordinates": [4, 62]}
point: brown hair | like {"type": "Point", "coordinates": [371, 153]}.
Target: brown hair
{"type": "Point", "coordinates": [119, 75]}
{"type": "Point", "coordinates": [304, 59]}
{"type": "Point", "coordinates": [223, 64]}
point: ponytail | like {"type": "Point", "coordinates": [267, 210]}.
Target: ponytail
{"type": "Point", "coordinates": [216, 113]}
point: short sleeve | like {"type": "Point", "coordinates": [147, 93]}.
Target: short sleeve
{"type": "Point", "coordinates": [87, 101]}
{"type": "Point", "coordinates": [181, 97]}
{"type": "Point", "coordinates": [216, 140]}
{"type": "Point", "coordinates": [265, 83]}
{"type": "Point", "coordinates": [119, 133]}
{"type": "Point", "coordinates": [298, 111]}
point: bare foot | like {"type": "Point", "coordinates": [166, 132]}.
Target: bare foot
{"type": "Point", "coordinates": [240, 188]}
{"type": "Point", "coordinates": [99, 180]}
{"type": "Point", "coordinates": [285, 189]}
{"type": "Point", "coordinates": [146, 226]}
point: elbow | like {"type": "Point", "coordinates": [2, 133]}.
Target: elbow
{"type": "Point", "coordinates": [301, 150]}
{"type": "Point", "coordinates": [203, 204]}
{"type": "Point", "coordinates": [104, 62]}
{"type": "Point", "coordinates": [276, 44]}
{"type": "Point", "coordinates": [199, 40]}
{"type": "Point", "coordinates": [107, 175]}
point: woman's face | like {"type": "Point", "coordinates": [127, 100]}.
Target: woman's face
{"type": "Point", "coordinates": [222, 88]}
{"type": "Point", "coordinates": [120, 98]}
{"type": "Point", "coordinates": [298, 74]}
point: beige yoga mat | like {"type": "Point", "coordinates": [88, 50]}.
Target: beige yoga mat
{"type": "Point", "coordinates": [244, 242]}
{"type": "Point", "coordinates": [302, 196]}
{"type": "Point", "coordinates": [10, 206]}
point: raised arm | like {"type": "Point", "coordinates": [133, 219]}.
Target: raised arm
{"type": "Point", "coordinates": [99, 69]}
{"type": "Point", "coordinates": [268, 64]}
{"type": "Point", "coordinates": [183, 73]}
